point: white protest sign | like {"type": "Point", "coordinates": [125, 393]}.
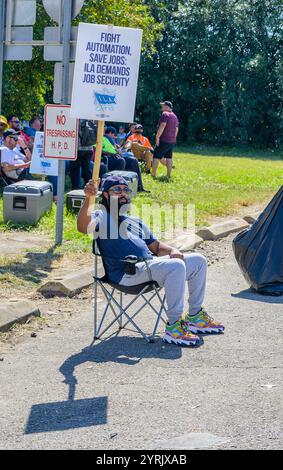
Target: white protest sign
{"type": "Point", "coordinates": [106, 72]}
{"type": "Point", "coordinates": [60, 133]}
{"type": "Point", "coordinates": [39, 164]}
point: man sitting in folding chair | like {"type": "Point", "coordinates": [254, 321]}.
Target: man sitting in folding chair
{"type": "Point", "coordinates": [168, 267]}
{"type": "Point", "coordinates": [14, 164]}
{"type": "Point", "coordinates": [141, 147]}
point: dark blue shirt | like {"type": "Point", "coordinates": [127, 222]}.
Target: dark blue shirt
{"type": "Point", "coordinates": [30, 132]}
{"type": "Point", "coordinates": [128, 135]}
{"type": "Point", "coordinates": [116, 241]}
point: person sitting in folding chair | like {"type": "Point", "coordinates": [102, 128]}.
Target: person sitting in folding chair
{"type": "Point", "coordinates": [141, 147]}
{"type": "Point", "coordinates": [14, 164]}
{"type": "Point", "coordinates": [168, 267]}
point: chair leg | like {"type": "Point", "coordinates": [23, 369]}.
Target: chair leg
{"type": "Point", "coordinates": [157, 312]}
{"type": "Point", "coordinates": [109, 297]}
{"type": "Point", "coordinates": [95, 299]}
{"type": "Point", "coordinates": [146, 301]}
{"type": "Point", "coordinates": [121, 318]}
{"type": "Point", "coordinates": [158, 317]}
{"type": "Point", "coordinates": [123, 311]}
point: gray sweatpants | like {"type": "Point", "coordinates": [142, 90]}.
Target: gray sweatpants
{"type": "Point", "coordinates": [172, 274]}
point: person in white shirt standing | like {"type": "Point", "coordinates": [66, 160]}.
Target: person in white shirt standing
{"type": "Point", "coordinates": [13, 162]}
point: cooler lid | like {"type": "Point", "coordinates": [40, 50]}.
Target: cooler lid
{"type": "Point", "coordinates": [127, 175]}
{"type": "Point", "coordinates": [29, 187]}
{"type": "Point", "coordinates": [76, 193]}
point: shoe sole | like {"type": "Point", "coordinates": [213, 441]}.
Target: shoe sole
{"type": "Point", "coordinates": [195, 330]}
{"type": "Point", "coordinates": [179, 342]}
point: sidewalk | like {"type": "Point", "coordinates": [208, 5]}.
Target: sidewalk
{"type": "Point", "coordinates": [126, 394]}
{"type": "Point", "coordinates": [17, 242]}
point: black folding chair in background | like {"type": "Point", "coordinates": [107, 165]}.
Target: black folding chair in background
{"type": "Point", "coordinates": [122, 310]}
{"type": "Point", "coordinates": [4, 180]}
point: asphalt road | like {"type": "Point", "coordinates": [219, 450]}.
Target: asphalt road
{"type": "Point", "coordinates": [126, 394]}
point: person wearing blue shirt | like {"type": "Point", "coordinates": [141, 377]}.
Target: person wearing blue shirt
{"type": "Point", "coordinates": [110, 134]}
{"type": "Point", "coordinates": [121, 136]}
{"type": "Point", "coordinates": [118, 235]}
{"type": "Point", "coordinates": [34, 126]}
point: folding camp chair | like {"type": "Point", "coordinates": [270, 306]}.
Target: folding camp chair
{"type": "Point", "coordinates": [120, 309]}
{"type": "Point", "coordinates": [135, 148]}
{"type": "Point", "coordinates": [4, 180]}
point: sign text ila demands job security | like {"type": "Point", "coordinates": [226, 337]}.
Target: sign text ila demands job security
{"type": "Point", "coordinates": [106, 73]}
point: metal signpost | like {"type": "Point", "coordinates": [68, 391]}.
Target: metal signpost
{"type": "Point", "coordinates": [67, 19]}
{"type": "Point", "coordinates": [17, 18]}
{"type": "Point", "coordinates": [2, 37]}
{"type": "Point", "coordinates": [57, 85]}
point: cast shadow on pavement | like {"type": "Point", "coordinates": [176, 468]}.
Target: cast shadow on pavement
{"type": "Point", "coordinates": [129, 350]}
{"type": "Point", "coordinates": [249, 294]}
{"type": "Point", "coordinates": [72, 414]}
{"type": "Point", "coordinates": [65, 415]}
{"type": "Point", "coordinates": [69, 414]}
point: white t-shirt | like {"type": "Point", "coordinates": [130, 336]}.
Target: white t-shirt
{"type": "Point", "coordinates": [12, 157]}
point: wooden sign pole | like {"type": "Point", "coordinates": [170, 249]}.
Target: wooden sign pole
{"type": "Point", "coordinates": [97, 160]}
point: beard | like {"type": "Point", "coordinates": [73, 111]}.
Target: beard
{"type": "Point", "coordinates": [123, 208]}
{"type": "Point", "coordinates": [123, 200]}
{"type": "Point", "coordinates": [116, 203]}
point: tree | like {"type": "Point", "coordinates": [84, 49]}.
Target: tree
{"type": "Point", "coordinates": [219, 61]}
{"type": "Point", "coordinates": [27, 86]}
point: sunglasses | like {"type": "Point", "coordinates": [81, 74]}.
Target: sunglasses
{"type": "Point", "coordinates": [121, 190]}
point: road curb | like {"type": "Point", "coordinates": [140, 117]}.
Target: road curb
{"type": "Point", "coordinates": [222, 230]}
{"type": "Point", "coordinates": [252, 217]}
{"type": "Point", "coordinates": [69, 285]}
{"type": "Point", "coordinates": [16, 312]}
{"type": "Point", "coordinates": [188, 243]}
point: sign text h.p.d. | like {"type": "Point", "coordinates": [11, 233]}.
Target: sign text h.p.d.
{"type": "Point", "coordinates": [60, 133]}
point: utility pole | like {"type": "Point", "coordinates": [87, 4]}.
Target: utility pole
{"type": "Point", "coordinates": [66, 32]}
{"type": "Point", "coordinates": [2, 38]}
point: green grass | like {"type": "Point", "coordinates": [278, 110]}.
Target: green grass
{"type": "Point", "coordinates": [217, 181]}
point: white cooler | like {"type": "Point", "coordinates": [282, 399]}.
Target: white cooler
{"type": "Point", "coordinates": [75, 200]}
{"type": "Point", "coordinates": [26, 201]}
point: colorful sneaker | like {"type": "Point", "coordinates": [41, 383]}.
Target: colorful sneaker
{"type": "Point", "coordinates": [178, 333]}
{"type": "Point", "coordinates": [203, 323]}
